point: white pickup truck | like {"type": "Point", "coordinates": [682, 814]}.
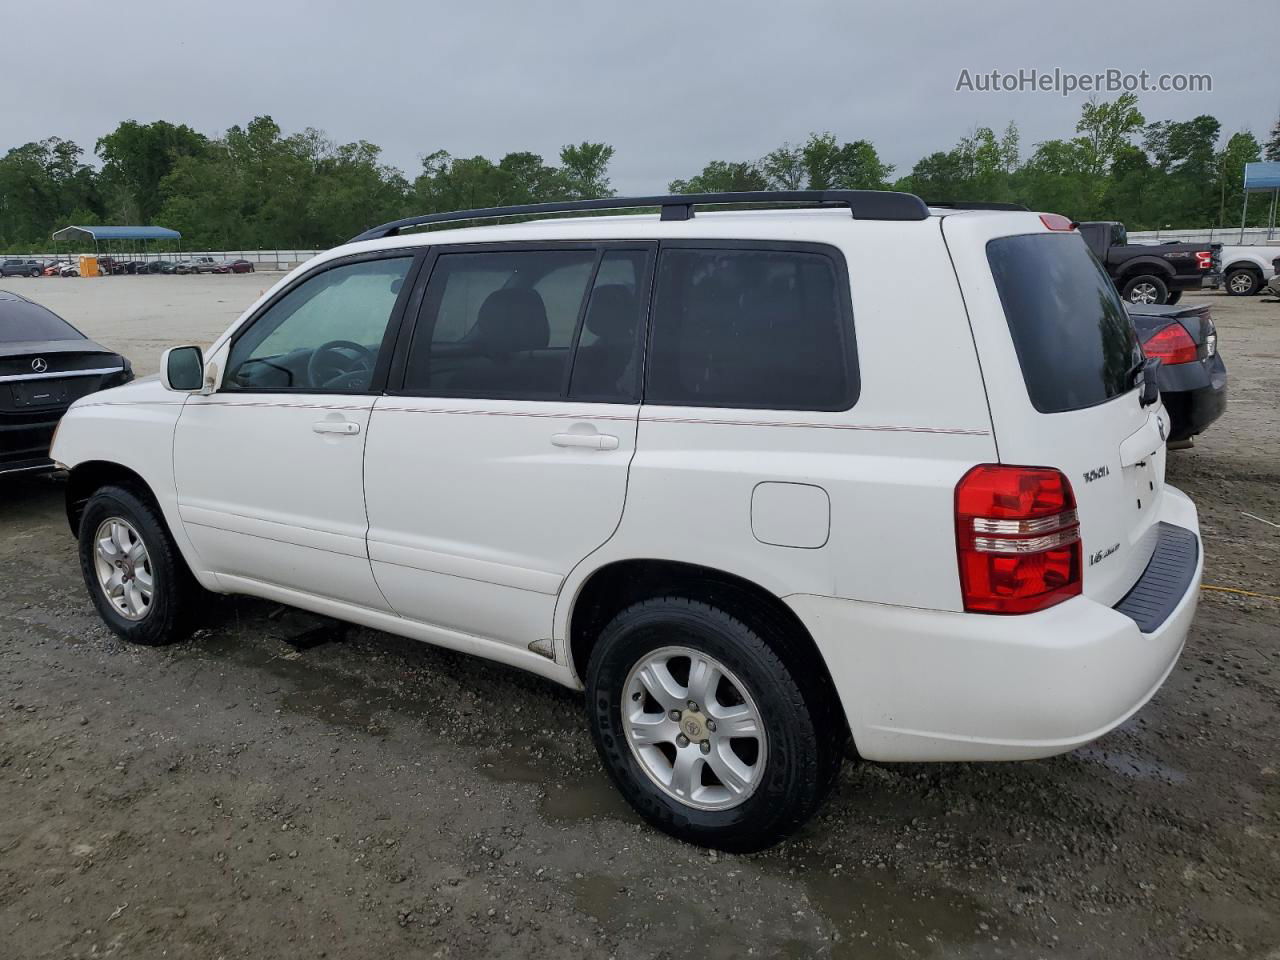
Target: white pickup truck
{"type": "Point", "coordinates": [1245, 270]}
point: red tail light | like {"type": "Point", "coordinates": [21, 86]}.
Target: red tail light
{"type": "Point", "coordinates": [1017, 539]}
{"type": "Point", "coordinates": [1204, 259]}
{"type": "Point", "coordinates": [1172, 345]}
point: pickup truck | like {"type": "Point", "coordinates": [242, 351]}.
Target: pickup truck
{"type": "Point", "coordinates": [1149, 272]}
{"type": "Point", "coordinates": [1245, 270]}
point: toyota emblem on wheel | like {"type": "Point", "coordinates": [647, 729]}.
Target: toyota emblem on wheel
{"type": "Point", "coordinates": [39, 365]}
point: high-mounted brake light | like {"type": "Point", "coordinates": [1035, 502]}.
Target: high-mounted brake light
{"type": "Point", "coordinates": [1172, 345]}
{"type": "Point", "coordinates": [1204, 259]}
{"type": "Point", "coordinates": [1056, 221]}
{"type": "Point", "coordinates": [1017, 539]}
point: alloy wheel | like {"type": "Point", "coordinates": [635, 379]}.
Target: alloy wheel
{"type": "Point", "coordinates": [124, 568]}
{"type": "Point", "coordinates": [694, 728]}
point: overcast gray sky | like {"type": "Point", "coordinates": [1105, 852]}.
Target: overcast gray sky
{"type": "Point", "coordinates": [670, 84]}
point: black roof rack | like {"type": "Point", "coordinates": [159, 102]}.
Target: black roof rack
{"type": "Point", "coordinates": [976, 205]}
{"type": "Point", "coordinates": [863, 204]}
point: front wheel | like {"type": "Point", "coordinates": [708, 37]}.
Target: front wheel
{"type": "Point", "coordinates": [1146, 289]}
{"type": "Point", "coordinates": [704, 727]}
{"type": "Point", "coordinates": [135, 575]}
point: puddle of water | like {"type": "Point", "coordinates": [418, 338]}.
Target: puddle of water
{"type": "Point", "coordinates": [878, 914]}
{"type": "Point", "coordinates": [581, 795]}
{"type": "Point", "coordinates": [1129, 765]}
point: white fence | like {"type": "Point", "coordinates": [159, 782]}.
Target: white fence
{"type": "Point", "coordinates": [261, 259]}
{"type": "Point", "coordinates": [1228, 235]}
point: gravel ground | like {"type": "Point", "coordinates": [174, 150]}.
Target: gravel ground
{"type": "Point", "coordinates": [357, 795]}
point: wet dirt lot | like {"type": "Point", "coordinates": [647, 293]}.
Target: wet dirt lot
{"type": "Point", "coordinates": [354, 795]}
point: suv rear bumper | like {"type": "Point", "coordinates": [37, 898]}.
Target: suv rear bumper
{"type": "Point", "coordinates": [935, 685]}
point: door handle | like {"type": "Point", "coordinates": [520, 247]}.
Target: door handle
{"type": "Point", "coordinates": [591, 441]}
{"type": "Point", "coordinates": [345, 427]}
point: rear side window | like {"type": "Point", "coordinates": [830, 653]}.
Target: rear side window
{"type": "Point", "coordinates": [752, 328]}
{"type": "Point", "coordinates": [531, 325]}
{"type": "Point", "coordinates": [1075, 342]}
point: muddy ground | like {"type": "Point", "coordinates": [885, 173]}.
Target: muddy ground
{"type": "Point", "coordinates": [354, 795]}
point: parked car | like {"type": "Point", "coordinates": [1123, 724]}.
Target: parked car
{"type": "Point", "coordinates": [21, 268]}
{"type": "Point", "coordinates": [203, 265]}
{"type": "Point", "coordinates": [1191, 375]}
{"type": "Point", "coordinates": [158, 266]}
{"type": "Point", "coordinates": [779, 530]}
{"type": "Point", "coordinates": [1245, 270]}
{"type": "Point", "coordinates": [45, 364]}
{"type": "Point", "coordinates": [1150, 272]}
{"type": "Point", "coordinates": [62, 268]}
{"type": "Point", "coordinates": [234, 266]}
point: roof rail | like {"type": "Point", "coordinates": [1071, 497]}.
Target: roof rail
{"type": "Point", "coordinates": [863, 204]}
{"type": "Point", "coordinates": [976, 205]}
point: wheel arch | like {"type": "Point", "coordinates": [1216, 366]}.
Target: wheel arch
{"type": "Point", "coordinates": [614, 586]}
{"type": "Point", "coordinates": [1145, 265]}
{"type": "Point", "coordinates": [84, 478]}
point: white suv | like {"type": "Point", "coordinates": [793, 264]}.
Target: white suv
{"type": "Point", "coordinates": [745, 477]}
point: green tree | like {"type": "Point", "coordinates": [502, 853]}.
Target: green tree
{"type": "Point", "coordinates": [720, 176]}
{"type": "Point", "coordinates": [1106, 128]}
{"type": "Point", "coordinates": [849, 166]}
{"type": "Point", "coordinates": [784, 168]}
{"type": "Point", "coordinates": [136, 157]}
{"type": "Point", "coordinates": [1272, 152]}
{"type": "Point", "coordinates": [586, 169]}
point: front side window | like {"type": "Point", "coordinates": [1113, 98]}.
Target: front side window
{"type": "Point", "coordinates": [323, 335]}
{"type": "Point", "coordinates": [530, 325]}
{"type": "Point", "coordinates": [750, 328]}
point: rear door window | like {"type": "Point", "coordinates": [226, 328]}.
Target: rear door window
{"type": "Point", "coordinates": [1075, 342]}
{"type": "Point", "coordinates": [751, 327]}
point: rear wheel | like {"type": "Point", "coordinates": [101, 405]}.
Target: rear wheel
{"type": "Point", "coordinates": [705, 729]}
{"type": "Point", "coordinates": [135, 575]}
{"type": "Point", "coordinates": [1145, 288]}
{"type": "Point", "coordinates": [1243, 283]}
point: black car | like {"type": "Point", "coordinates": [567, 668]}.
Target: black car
{"type": "Point", "coordinates": [45, 364]}
{"type": "Point", "coordinates": [1192, 376]}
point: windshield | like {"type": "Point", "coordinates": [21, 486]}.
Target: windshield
{"type": "Point", "coordinates": [1075, 342]}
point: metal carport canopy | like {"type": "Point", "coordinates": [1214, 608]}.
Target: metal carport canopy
{"type": "Point", "coordinates": [118, 233]}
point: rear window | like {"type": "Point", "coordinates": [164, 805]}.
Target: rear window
{"type": "Point", "coordinates": [21, 321]}
{"type": "Point", "coordinates": [751, 328]}
{"type": "Point", "coordinates": [1075, 342]}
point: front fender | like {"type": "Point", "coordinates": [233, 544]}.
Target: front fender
{"type": "Point", "coordinates": [130, 429]}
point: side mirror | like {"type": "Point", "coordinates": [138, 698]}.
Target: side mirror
{"type": "Point", "coordinates": [182, 369]}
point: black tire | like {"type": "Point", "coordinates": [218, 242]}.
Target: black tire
{"type": "Point", "coordinates": [175, 593]}
{"type": "Point", "coordinates": [1145, 288]}
{"type": "Point", "coordinates": [1173, 297]}
{"type": "Point", "coordinates": [33, 273]}
{"type": "Point", "coordinates": [802, 720]}
{"type": "Point", "coordinates": [1243, 282]}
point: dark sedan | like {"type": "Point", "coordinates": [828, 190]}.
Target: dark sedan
{"type": "Point", "coordinates": [45, 364]}
{"type": "Point", "coordinates": [1192, 376]}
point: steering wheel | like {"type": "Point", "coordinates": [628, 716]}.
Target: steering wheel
{"type": "Point", "coordinates": [330, 367]}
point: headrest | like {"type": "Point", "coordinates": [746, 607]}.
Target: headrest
{"type": "Point", "coordinates": [511, 320]}
{"type": "Point", "coordinates": [612, 313]}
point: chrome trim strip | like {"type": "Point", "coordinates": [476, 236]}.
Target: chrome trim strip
{"type": "Point", "coordinates": [1015, 527]}
{"type": "Point", "coordinates": [99, 371]}
{"type": "Point", "coordinates": [1035, 545]}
